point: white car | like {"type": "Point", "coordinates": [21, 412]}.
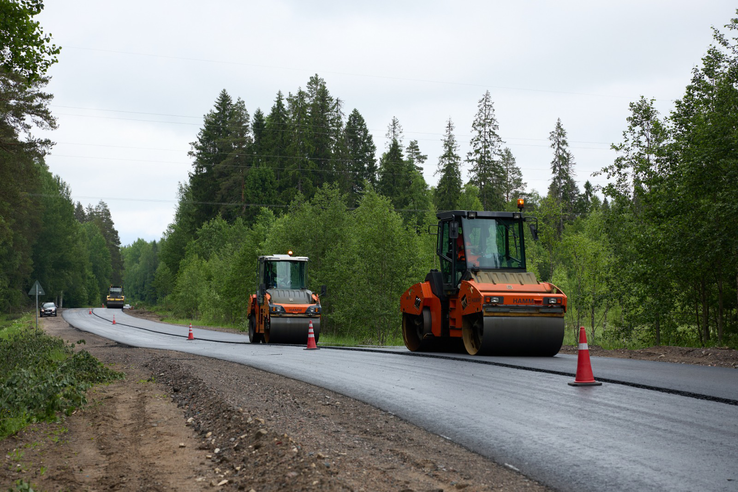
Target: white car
{"type": "Point", "coordinates": [48, 309]}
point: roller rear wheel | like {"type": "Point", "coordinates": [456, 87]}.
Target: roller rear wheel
{"type": "Point", "coordinates": [253, 336]}
{"type": "Point", "coordinates": [472, 333]}
{"type": "Point", "coordinates": [412, 332]}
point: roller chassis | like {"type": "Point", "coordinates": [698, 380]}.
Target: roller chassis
{"type": "Point", "coordinates": [484, 303]}
{"type": "Point", "coordinates": [283, 309]}
{"type": "Point", "coordinates": [265, 327]}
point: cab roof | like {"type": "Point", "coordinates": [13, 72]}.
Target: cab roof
{"type": "Point", "coordinates": [473, 214]}
{"type": "Point", "coordinates": [283, 258]}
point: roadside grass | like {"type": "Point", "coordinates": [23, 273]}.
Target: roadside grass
{"type": "Point", "coordinates": [42, 376]}
{"type": "Point", "coordinates": [354, 341]}
{"type": "Point", "coordinates": [169, 316]}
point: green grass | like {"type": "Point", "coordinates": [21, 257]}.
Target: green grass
{"type": "Point", "coordinates": [353, 341]}
{"type": "Point", "coordinates": [10, 326]}
{"type": "Point", "coordinates": [169, 316]}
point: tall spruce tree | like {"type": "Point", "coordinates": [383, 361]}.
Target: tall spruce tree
{"type": "Point", "coordinates": [212, 147]}
{"type": "Point", "coordinates": [325, 125]}
{"type": "Point", "coordinates": [361, 156]}
{"type": "Point", "coordinates": [100, 215]}
{"type": "Point", "coordinates": [414, 156]}
{"type": "Point", "coordinates": [563, 189]}
{"type": "Point", "coordinates": [258, 130]}
{"type": "Point", "coordinates": [231, 172]}
{"type": "Point", "coordinates": [448, 190]}
{"type": "Point", "coordinates": [484, 157]}
{"type": "Point", "coordinates": [299, 175]}
{"type": "Point", "coordinates": [395, 174]}
{"type": "Point", "coordinates": [512, 185]}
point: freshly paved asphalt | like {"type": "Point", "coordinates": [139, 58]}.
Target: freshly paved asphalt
{"type": "Point", "coordinates": [650, 426]}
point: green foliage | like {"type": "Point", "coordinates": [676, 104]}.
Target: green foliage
{"type": "Point", "coordinates": [449, 184]}
{"type": "Point", "coordinates": [26, 50]}
{"type": "Point", "coordinates": [487, 173]}
{"type": "Point", "coordinates": [379, 261]}
{"type": "Point", "coordinates": [141, 264]}
{"type": "Point", "coordinates": [41, 376]}
{"type": "Point", "coordinates": [563, 189]}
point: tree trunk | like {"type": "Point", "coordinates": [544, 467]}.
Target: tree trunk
{"type": "Point", "coordinates": [592, 320]}
{"type": "Point", "coordinates": [657, 326]}
{"type": "Point", "coordinates": [720, 311]}
{"type": "Point", "coordinates": [705, 310]}
{"type": "Point", "coordinates": [697, 318]}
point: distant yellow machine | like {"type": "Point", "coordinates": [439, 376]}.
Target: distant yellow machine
{"type": "Point", "coordinates": [115, 298]}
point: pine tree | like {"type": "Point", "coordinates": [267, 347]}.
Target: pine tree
{"type": "Point", "coordinates": [103, 219]}
{"type": "Point", "coordinates": [211, 148]}
{"type": "Point", "coordinates": [231, 171]}
{"type": "Point", "coordinates": [298, 176]}
{"type": "Point", "coordinates": [512, 186]}
{"type": "Point", "coordinates": [414, 156]}
{"type": "Point", "coordinates": [395, 174]}
{"type": "Point", "coordinates": [563, 188]}
{"type": "Point", "coordinates": [361, 156]}
{"type": "Point", "coordinates": [258, 130]}
{"type": "Point", "coordinates": [325, 125]}
{"type": "Point", "coordinates": [449, 166]}
{"type": "Point", "coordinates": [484, 157]}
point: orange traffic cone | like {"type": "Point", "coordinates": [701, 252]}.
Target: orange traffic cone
{"type": "Point", "coordinates": [190, 336]}
{"type": "Point", "coordinates": [311, 338]}
{"type": "Point", "coordinates": [584, 366]}
{"type": "Point", "coordinates": [90, 310]}
{"type": "Point", "coordinates": [113, 319]}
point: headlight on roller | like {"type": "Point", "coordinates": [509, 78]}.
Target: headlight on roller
{"type": "Point", "coordinates": [276, 309]}
{"type": "Point", "coordinates": [493, 300]}
{"type": "Point", "coordinates": [313, 310]}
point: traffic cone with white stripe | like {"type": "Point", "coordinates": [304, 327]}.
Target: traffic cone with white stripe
{"type": "Point", "coordinates": [90, 310]}
{"type": "Point", "coordinates": [190, 336]}
{"type": "Point", "coordinates": [311, 338]}
{"type": "Point", "coordinates": [113, 319]}
{"type": "Point", "coordinates": [584, 365]}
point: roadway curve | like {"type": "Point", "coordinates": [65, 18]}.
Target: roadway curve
{"type": "Point", "coordinates": [651, 426]}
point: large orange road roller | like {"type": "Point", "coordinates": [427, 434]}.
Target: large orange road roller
{"type": "Point", "coordinates": [483, 299]}
{"type": "Point", "coordinates": [283, 307]}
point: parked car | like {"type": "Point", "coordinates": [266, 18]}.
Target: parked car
{"type": "Point", "coordinates": [48, 309]}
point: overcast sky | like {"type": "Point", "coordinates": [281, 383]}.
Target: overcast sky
{"type": "Point", "coordinates": [135, 78]}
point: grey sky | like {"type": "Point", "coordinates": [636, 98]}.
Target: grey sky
{"type": "Point", "coordinates": [135, 78]}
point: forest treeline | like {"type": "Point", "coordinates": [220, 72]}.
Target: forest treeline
{"type": "Point", "coordinates": [74, 253]}
{"type": "Point", "coordinates": [650, 258]}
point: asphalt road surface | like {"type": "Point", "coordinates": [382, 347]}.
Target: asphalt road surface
{"type": "Point", "coordinates": [650, 426]}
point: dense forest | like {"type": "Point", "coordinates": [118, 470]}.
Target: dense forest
{"type": "Point", "coordinates": [650, 258]}
{"type": "Point", "coordinates": [73, 252]}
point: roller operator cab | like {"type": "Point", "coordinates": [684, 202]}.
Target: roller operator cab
{"type": "Point", "coordinates": [483, 300]}
{"type": "Point", "coordinates": [283, 307]}
{"type": "Point", "coordinates": [115, 298]}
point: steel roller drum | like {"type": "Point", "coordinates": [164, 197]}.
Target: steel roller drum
{"type": "Point", "coordinates": [292, 330]}
{"type": "Point", "coordinates": [521, 336]}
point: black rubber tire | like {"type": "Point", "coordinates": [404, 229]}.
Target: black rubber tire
{"type": "Point", "coordinates": [253, 336]}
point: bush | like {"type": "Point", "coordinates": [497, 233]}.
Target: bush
{"type": "Point", "coordinates": [41, 376]}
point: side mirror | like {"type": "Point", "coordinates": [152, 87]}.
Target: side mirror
{"type": "Point", "coordinates": [533, 231]}
{"type": "Point", "coordinates": [323, 291]}
{"type": "Point", "coordinates": [453, 230]}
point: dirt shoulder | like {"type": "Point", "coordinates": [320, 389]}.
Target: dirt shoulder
{"type": "Point", "coordinates": [180, 422]}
